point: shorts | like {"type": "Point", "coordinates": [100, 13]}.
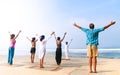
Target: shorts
{"type": "Point", "coordinates": [33, 50]}
{"type": "Point", "coordinates": [92, 51]}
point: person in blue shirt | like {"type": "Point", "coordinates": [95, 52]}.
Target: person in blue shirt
{"type": "Point", "coordinates": [92, 42]}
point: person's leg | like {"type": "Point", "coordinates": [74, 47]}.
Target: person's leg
{"type": "Point", "coordinates": [89, 54]}
{"type": "Point", "coordinates": [90, 64]}
{"type": "Point", "coordinates": [60, 56]}
{"type": "Point", "coordinates": [67, 55]}
{"type": "Point", "coordinates": [43, 60]}
{"type": "Point", "coordinates": [33, 54]}
{"type": "Point", "coordinates": [57, 56]}
{"type": "Point", "coordinates": [40, 63]}
{"type": "Point", "coordinates": [94, 63]}
{"type": "Point", "coordinates": [32, 57]}
{"type": "Point", "coordinates": [9, 51]}
{"type": "Point", "coordinates": [11, 56]}
{"type": "Point", "coordinates": [95, 54]}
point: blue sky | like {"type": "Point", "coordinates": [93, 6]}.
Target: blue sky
{"type": "Point", "coordinates": [44, 16]}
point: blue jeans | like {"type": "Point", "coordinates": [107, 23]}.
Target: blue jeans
{"type": "Point", "coordinates": [11, 55]}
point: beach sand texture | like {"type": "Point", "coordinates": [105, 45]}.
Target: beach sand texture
{"type": "Point", "coordinates": [74, 66]}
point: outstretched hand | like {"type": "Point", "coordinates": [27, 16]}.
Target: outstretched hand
{"type": "Point", "coordinates": [112, 22]}
{"type": "Point", "coordinates": [71, 39]}
{"type": "Point", "coordinates": [20, 31]}
{"type": "Point", "coordinates": [52, 33]}
{"type": "Point", "coordinates": [65, 33]}
{"type": "Point", "coordinates": [74, 24]}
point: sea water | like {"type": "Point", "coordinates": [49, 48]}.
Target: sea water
{"type": "Point", "coordinates": [103, 53]}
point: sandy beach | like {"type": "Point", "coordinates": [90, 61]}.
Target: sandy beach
{"type": "Point", "coordinates": [74, 66]}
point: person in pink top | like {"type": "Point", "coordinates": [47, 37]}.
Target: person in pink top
{"type": "Point", "coordinates": [12, 47]}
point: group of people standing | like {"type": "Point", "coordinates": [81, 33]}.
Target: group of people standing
{"type": "Point", "coordinates": [42, 51]}
{"type": "Point", "coordinates": [91, 42]}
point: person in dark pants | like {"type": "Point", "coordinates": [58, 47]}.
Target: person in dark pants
{"type": "Point", "coordinates": [58, 55]}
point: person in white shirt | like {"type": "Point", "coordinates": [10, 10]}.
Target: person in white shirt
{"type": "Point", "coordinates": [66, 49]}
{"type": "Point", "coordinates": [42, 50]}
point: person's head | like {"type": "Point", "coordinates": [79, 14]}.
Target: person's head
{"type": "Point", "coordinates": [58, 38]}
{"type": "Point", "coordinates": [66, 43]}
{"type": "Point", "coordinates": [42, 37]}
{"type": "Point", "coordinates": [33, 39]}
{"type": "Point", "coordinates": [12, 36]}
{"type": "Point", "coordinates": [91, 25]}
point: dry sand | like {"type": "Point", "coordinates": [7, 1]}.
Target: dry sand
{"type": "Point", "coordinates": [74, 66]}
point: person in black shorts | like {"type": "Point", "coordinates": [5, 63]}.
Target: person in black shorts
{"type": "Point", "coordinates": [33, 48]}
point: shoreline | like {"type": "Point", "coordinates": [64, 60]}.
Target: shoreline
{"type": "Point", "coordinates": [109, 53]}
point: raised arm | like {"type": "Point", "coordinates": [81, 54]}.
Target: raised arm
{"type": "Point", "coordinates": [55, 36]}
{"type": "Point", "coordinates": [50, 36]}
{"type": "Point", "coordinates": [36, 40]}
{"type": "Point", "coordinates": [110, 24]}
{"type": "Point", "coordinates": [9, 33]}
{"type": "Point", "coordinates": [63, 37]}
{"type": "Point", "coordinates": [28, 39]}
{"type": "Point", "coordinates": [52, 33]}
{"type": "Point", "coordinates": [70, 42]}
{"type": "Point", "coordinates": [17, 34]}
{"type": "Point", "coordinates": [77, 25]}
{"type": "Point", "coordinates": [37, 37]}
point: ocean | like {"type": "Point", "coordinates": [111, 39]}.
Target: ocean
{"type": "Point", "coordinates": [103, 53]}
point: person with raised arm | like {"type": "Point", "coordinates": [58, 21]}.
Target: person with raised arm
{"type": "Point", "coordinates": [66, 49]}
{"type": "Point", "coordinates": [58, 55]}
{"type": "Point", "coordinates": [33, 48]}
{"type": "Point", "coordinates": [92, 42]}
{"type": "Point", "coordinates": [12, 47]}
{"type": "Point", "coordinates": [42, 50]}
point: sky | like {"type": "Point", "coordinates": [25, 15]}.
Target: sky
{"type": "Point", "coordinates": [44, 16]}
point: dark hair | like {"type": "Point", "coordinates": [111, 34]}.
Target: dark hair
{"type": "Point", "coordinates": [33, 39]}
{"type": "Point", "coordinates": [58, 38]}
{"type": "Point", "coordinates": [66, 43]}
{"type": "Point", "coordinates": [42, 37]}
{"type": "Point", "coordinates": [91, 25]}
{"type": "Point", "coordinates": [12, 36]}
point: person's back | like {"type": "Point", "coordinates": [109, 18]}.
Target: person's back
{"type": "Point", "coordinates": [92, 35]}
{"type": "Point", "coordinates": [33, 43]}
{"type": "Point", "coordinates": [92, 43]}
{"type": "Point", "coordinates": [58, 44]}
